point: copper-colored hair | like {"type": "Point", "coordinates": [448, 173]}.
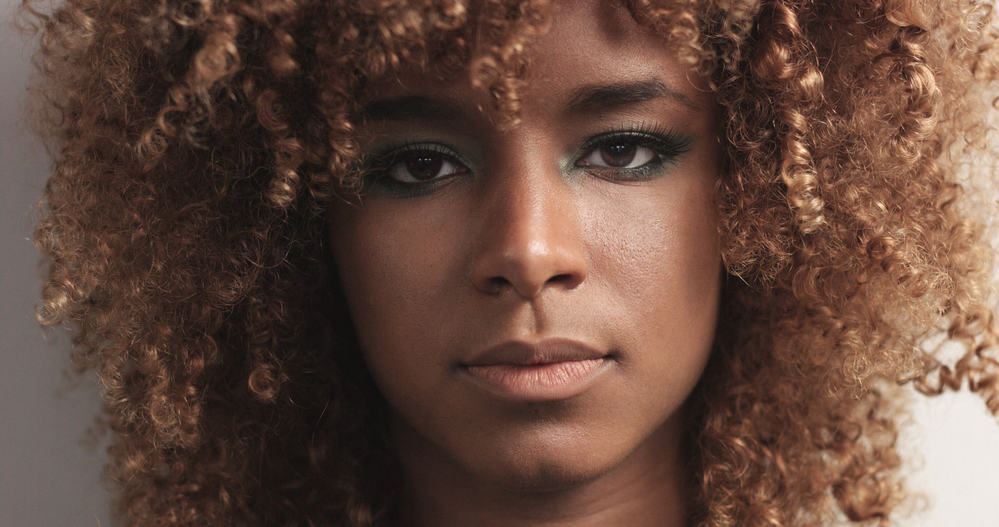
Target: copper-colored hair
{"type": "Point", "coordinates": [197, 144]}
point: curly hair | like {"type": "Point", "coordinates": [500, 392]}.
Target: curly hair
{"type": "Point", "coordinates": [198, 143]}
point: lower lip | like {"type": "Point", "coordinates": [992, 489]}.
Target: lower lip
{"type": "Point", "coordinates": [539, 382]}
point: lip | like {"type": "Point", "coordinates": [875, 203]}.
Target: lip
{"type": "Point", "coordinates": [548, 370]}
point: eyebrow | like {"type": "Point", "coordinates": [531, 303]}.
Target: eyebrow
{"type": "Point", "coordinates": [586, 99]}
{"type": "Point", "coordinates": [594, 98]}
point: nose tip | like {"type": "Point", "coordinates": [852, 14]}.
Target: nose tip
{"type": "Point", "coordinates": [528, 244]}
{"type": "Point", "coordinates": [529, 272]}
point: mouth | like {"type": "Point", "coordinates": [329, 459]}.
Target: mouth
{"type": "Point", "coordinates": [549, 370]}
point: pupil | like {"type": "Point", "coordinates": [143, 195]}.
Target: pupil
{"type": "Point", "coordinates": [618, 155]}
{"type": "Point", "coordinates": [424, 167]}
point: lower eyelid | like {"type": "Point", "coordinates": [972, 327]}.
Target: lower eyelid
{"type": "Point", "coordinates": [658, 151]}
{"type": "Point", "coordinates": [648, 171]}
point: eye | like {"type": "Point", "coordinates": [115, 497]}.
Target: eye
{"type": "Point", "coordinates": [633, 155]}
{"type": "Point", "coordinates": [621, 153]}
{"type": "Point", "coordinates": [416, 166]}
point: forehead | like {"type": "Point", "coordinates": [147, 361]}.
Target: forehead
{"type": "Point", "coordinates": [585, 42]}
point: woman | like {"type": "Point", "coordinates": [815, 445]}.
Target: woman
{"type": "Point", "coordinates": [574, 263]}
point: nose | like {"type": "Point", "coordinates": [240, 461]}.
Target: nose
{"type": "Point", "coordinates": [530, 236]}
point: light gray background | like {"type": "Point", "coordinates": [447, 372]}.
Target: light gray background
{"type": "Point", "coordinates": [49, 477]}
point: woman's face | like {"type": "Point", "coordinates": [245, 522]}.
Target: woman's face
{"type": "Point", "coordinates": [536, 303]}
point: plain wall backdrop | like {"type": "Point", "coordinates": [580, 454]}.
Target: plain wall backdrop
{"type": "Point", "coordinates": [49, 477]}
{"type": "Point", "coordinates": [50, 468]}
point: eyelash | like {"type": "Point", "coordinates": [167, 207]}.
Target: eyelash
{"type": "Point", "coordinates": [383, 160]}
{"type": "Point", "coordinates": [666, 145]}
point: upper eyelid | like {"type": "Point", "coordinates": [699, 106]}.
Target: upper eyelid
{"type": "Point", "coordinates": [422, 146]}
{"type": "Point", "coordinates": [679, 142]}
{"type": "Point", "coordinates": [385, 157]}
{"type": "Point", "coordinates": [652, 137]}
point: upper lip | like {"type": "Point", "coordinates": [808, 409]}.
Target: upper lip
{"type": "Point", "coordinates": [520, 353]}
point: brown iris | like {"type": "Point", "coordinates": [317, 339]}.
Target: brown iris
{"type": "Point", "coordinates": [618, 155]}
{"type": "Point", "coordinates": [424, 167]}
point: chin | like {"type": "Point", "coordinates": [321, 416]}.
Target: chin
{"type": "Point", "coordinates": [546, 461]}
{"type": "Point", "coordinates": [544, 474]}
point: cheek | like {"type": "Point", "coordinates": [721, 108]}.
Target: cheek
{"type": "Point", "coordinates": [388, 266]}
{"type": "Point", "coordinates": [659, 252]}
{"type": "Point", "coordinates": [656, 258]}
{"type": "Point", "coordinates": [396, 282]}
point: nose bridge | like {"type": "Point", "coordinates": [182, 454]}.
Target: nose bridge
{"type": "Point", "coordinates": [530, 238]}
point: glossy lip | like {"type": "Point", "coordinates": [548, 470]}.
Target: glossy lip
{"type": "Point", "coordinates": [548, 370]}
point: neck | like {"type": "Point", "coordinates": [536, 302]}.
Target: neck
{"type": "Point", "coordinates": [644, 489]}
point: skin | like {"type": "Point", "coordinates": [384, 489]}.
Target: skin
{"type": "Point", "coordinates": [522, 243]}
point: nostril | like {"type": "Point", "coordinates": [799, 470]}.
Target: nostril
{"type": "Point", "coordinates": [558, 278]}
{"type": "Point", "coordinates": [496, 284]}
{"type": "Point", "coordinates": [567, 279]}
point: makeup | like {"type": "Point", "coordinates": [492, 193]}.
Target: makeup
{"type": "Point", "coordinates": [547, 370]}
{"type": "Point", "coordinates": [538, 382]}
